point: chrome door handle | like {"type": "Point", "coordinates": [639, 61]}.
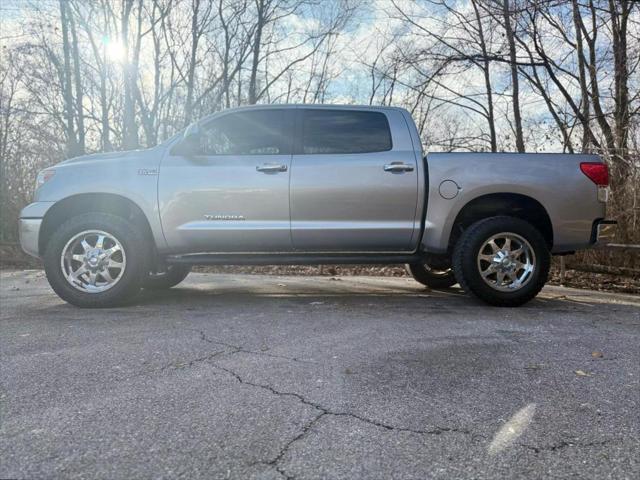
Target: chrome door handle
{"type": "Point", "coordinates": [398, 167]}
{"type": "Point", "coordinates": [271, 168]}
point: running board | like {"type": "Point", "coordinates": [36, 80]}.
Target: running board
{"type": "Point", "coordinates": [289, 259]}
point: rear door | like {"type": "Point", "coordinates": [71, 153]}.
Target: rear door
{"type": "Point", "coordinates": [354, 181]}
{"type": "Point", "coordinates": [234, 195]}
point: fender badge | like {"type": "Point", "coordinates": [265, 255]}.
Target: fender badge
{"type": "Point", "coordinates": [224, 217]}
{"type": "Point", "coordinates": [147, 171]}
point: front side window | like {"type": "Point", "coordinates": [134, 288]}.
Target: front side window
{"type": "Point", "coordinates": [345, 131]}
{"type": "Point", "coordinates": [259, 132]}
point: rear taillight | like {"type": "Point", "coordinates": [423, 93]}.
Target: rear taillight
{"type": "Point", "coordinates": [598, 173]}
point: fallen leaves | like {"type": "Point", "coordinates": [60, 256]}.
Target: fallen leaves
{"type": "Point", "coordinates": [534, 366]}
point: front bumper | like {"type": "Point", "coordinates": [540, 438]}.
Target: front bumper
{"type": "Point", "coordinates": [30, 222]}
{"type": "Point", "coordinates": [29, 235]}
{"type": "Point", "coordinates": [604, 231]}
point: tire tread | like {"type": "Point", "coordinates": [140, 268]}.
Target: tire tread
{"type": "Point", "coordinates": [425, 277]}
{"type": "Point", "coordinates": [476, 286]}
{"type": "Point", "coordinates": [137, 260]}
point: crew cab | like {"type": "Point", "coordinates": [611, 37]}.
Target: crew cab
{"type": "Point", "coordinates": [307, 184]}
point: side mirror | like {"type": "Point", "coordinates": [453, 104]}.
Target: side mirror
{"type": "Point", "coordinates": [191, 143]}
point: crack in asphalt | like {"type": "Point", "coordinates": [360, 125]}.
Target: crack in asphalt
{"type": "Point", "coordinates": [175, 365]}
{"type": "Point", "coordinates": [178, 365]}
{"type": "Point", "coordinates": [324, 411]}
{"type": "Point", "coordinates": [239, 349]}
{"type": "Point", "coordinates": [565, 444]}
{"type": "Point", "coordinates": [327, 411]}
{"type": "Point", "coordinates": [283, 451]}
{"type": "Point", "coordinates": [192, 362]}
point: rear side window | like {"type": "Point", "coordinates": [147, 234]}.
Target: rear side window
{"type": "Point", "coordinates": [344, 131]}
{"type": "Point", "coordinates": [259, 132]}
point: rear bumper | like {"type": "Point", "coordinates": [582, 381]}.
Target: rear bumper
{"type": "Point", "coordinates": [29, 235]}
{"type": "Point", "coordinates": [604, 231]}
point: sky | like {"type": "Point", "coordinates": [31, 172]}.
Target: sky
{"type": "Point", "coordinates": [356, 48]}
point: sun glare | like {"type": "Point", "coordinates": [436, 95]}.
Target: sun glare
{"type": "Point", "coordinates": [114, 50]}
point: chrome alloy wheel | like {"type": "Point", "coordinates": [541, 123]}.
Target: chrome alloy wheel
{"type": "Point", "coordinates": [506, 262]}
{"type": "Point", "coordinates": [93, 261]}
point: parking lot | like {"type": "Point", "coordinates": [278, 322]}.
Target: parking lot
{"type": "Point", "coordinates": [240, 376]}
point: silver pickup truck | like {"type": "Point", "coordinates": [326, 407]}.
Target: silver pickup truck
{"type": "Point", "coordinates": [305, 184]}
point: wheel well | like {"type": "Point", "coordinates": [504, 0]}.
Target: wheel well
{"type": "Point", "coordinates": [510, 204]}
{"type": "Point", "coordinates": [75, 205]}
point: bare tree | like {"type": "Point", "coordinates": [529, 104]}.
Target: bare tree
{"type": "Point", "coordinates": [477, 75]}
{"type": "Point", "coordinates": [69, 105]}
{"type": "Point", "coordinates": [515, 82]}
{"type": "Point", "coordinates": [129, 127]}
{"type": "Point", "coordinates": [486, 72]}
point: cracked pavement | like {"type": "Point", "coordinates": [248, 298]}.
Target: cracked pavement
{"type": "Point", "coordinates": [267, 377]}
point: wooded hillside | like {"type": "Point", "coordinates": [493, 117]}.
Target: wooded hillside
{"type": "Point", "coordinates": [80, 76]}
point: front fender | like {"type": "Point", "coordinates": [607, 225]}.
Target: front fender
{"type": "Point", "coordinates": [134, 178]}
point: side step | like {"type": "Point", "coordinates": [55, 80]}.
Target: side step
{"type": "Point", "coordinates": [289, 259]}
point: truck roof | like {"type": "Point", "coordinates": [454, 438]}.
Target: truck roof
{"type": "Point", "coordinates": [312, 105]}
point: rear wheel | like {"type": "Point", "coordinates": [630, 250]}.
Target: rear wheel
{"type": "Point", "coordinates": [96, 260]}
{"type": "Point", "coordinates": [436, 278]}
{"type": "Point", "coordinates": [171, 276]}
{"type": "Point", "coordinates": [504, 261]}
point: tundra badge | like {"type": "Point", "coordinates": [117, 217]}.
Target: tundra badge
{"type": "Point", "coordinates": [147, 171]}
{"type": "Point", "coordinates": [224, 217]}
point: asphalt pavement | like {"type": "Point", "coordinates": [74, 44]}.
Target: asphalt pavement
{"type": "Point", "coordinates": [241, 376]}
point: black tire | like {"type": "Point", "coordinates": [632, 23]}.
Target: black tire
{"type": "Point", "coordinates": [133, 244]}
{"type": "Point", "coordinates": [432, 278]}
{"type": "Point", "coordinates": [466, 263]}
{"type": "Point", "coordinates": [171, 277]}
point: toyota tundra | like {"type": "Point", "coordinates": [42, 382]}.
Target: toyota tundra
{"type": "Point", "coordinates": [303, 184]}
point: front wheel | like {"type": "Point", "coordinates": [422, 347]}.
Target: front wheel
{"type": "Point", "coordinates": [503, 261]}
{"type": "Point", "coordinates": [96, 260]}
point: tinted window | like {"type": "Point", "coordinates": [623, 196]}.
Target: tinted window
{"type": "Point", "coordinates": [345, 131]}
{"type": "Point", "coordinates": [259, 132]}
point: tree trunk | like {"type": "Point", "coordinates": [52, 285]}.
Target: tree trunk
{"type": "Point", "coordinates": [225, 57]}
{"type": "Point", "coordinates": [130, 130]}
{"type": "Point", "coordinates": [487, 80]}
{"type": "Point", "coordinates": [256, 53]}
{"type": "Point", "coordinates": [195, 38]}
{"type": "Point", "coordinates": [514, 76]}
{"type": "Point", "coordinates": [72, 144]}
{"type": "Point", "coordinates": [585, 106]}
{"type": "Point", "coordinates": [619, 21]}
{"type": "Point", "coordinates": [79, 101]}
{"type": "Point", "coordinates": [100, 57]}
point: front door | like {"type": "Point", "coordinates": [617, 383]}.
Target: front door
{"type": "Point", "coordinates": [234, 196]}
{"type": "Point", "coordinates": [354, 182]}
